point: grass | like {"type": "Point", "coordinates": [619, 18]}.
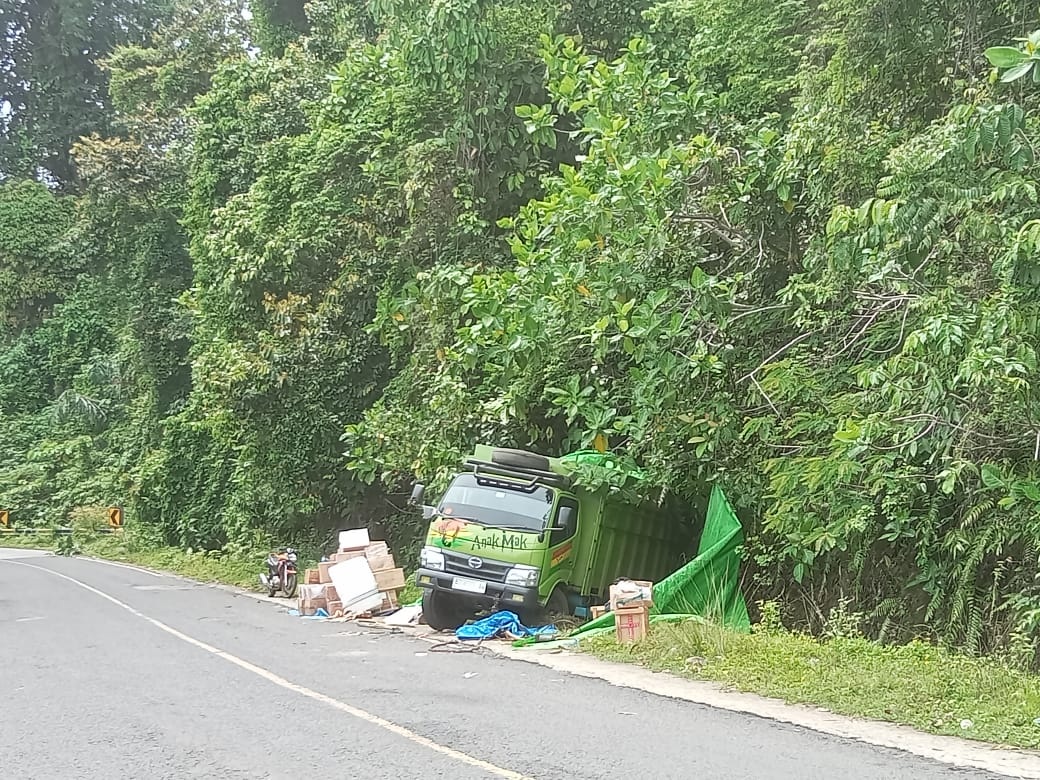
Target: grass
{"type": "Point", "coordinates": [916, 684]}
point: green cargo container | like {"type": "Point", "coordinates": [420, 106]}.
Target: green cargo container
{"type": "Point", "coordinates": [514, 531]}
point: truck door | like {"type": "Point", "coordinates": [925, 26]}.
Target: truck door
{"type": "Point", "coordinates": [561, 538]}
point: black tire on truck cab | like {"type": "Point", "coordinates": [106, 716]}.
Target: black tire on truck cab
{"type": "Point", "coordinates": [444, 612]}
{"type": "Point", "coordinates": [520, 459]}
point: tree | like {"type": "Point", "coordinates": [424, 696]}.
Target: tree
{"type": "Point", "coordinates": [51, 81]}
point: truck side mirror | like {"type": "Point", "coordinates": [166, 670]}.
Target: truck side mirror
{"type": "Point", "coordinates": [418, 491]}
{"type": "Point", "coordinates": [428, 511]}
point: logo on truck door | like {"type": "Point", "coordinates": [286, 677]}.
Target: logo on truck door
{"type": "Point", "coordinates": [560, 555]}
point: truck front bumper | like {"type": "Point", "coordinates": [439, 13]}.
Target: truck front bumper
{"type": "Point", "coordinates": [494, 592]}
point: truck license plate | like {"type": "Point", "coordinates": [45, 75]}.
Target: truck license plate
{"type": "Point", "coordinates": [470, 586]}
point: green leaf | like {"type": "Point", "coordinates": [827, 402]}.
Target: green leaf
{"type": "Point", "coordinates": [850, 432]}
{"type": "Point", "coordinates": [991, 477]}
{"type": "Point", "coordinates": [1017, 72]}
{"type": "Point", "coordinates": [1030, 490]}
{"type": "Point", "coordinates": [1005, 56]}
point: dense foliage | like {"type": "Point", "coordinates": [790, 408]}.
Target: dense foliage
{"type": "Point", "coordinates": [259, 269]}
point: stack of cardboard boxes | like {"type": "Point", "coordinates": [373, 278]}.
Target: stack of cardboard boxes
{"type": "Point", "coordinates": [630, 601]}
{"type": "Point", "coordinates": [318, 592]}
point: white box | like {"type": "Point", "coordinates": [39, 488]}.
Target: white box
{"type": "Point", "coordinates": [354, 539]}
{"type": "Point", "coordinates": [355, 585]}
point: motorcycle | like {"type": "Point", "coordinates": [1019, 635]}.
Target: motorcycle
{"type": "Point", "coordinates": [281, 573]}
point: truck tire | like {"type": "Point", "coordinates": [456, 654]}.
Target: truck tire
{"type": "Point", "coordinates": [444, 612]}
{"type": "Point", "coordinates": [520, 459]}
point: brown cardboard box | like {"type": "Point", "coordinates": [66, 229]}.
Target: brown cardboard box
{"type": "Point", "coordinates": [334, 608]}
{"type": "Point", "coordinates": [312, 597]}
{"type": "Point", "coordinates": [323, 571]}
{"type": "Point", "coordinates": [311, 577]}
{"type": "Point", "coordinates": [597, 612]}
{"type": "Point", "coordinates": [389, 579]}
{"type": "Point", "coordinates": [632, 623]}
{"type": "Point", "coordinates": [347, 555]}
{"type": "Point", "coordinates": [390, 602]}
{"type": "Point", "coordinates": [329, 592]}
{"type": "Point", "coordinates": [381, 562]}
{"type": "Point", "coordinates": [376, 549]}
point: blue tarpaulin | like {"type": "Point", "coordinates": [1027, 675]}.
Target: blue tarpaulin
{"type": "Point", "coordinates": [498, 624]}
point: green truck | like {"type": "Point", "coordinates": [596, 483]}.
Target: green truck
{"type": "Point", "coordinates": [515, 531]}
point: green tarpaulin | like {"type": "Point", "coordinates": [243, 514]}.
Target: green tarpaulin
{"type": "Point", "coordinates": [709, 585]}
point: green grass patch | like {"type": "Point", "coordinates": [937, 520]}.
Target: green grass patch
{"type": "Point", "coordinates": [204, 566]}
{"type": "Point", "coordinates": [410, 593]}
{"type": "Point", "coordinates": [918, 684]}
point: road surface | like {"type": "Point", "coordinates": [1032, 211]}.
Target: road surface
{"type": "Point", "coordinates": [111, 672]}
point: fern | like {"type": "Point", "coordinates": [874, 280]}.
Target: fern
{"type": "Point", "coordinates": [973, 515]}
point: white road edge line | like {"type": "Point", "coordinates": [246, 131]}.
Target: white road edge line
{"type": "Point", "coordinates": [358, 713]}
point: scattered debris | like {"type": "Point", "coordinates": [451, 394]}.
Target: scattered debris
{"type": "Point", "coordinates": [469, 675]}
{"type": "Point", "coordinates": [500, 624]}
{"type": "Point", "coordinates": [456, 646]}
{"type": "Point", "coordinates": [405, 616]}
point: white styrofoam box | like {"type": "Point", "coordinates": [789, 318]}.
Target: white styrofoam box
{"type": "Point", "coordinates": [355, 585]}
{"type": "Point", "coordinates": [354, 539]}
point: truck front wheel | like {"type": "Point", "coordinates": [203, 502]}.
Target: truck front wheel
{"type": "Point", "coordinates": [445, 612]}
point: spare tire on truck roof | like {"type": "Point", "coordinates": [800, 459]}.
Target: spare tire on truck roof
{"type": "Point", "coordinates": [520, 459]}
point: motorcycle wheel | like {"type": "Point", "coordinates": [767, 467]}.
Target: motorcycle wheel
{"type": "Point", "coordinates": [289, 586]}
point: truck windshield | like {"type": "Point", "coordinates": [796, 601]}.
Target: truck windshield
{"type": "Point", "coordinates": [515, 510]}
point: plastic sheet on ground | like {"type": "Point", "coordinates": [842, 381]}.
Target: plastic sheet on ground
{"type": "Point", "coordinates": [503, 623]}
{"type": "Point", "coordinates": [709, 585]}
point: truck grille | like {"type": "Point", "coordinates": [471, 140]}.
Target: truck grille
{"type": "Point", "coordinates": [458, 564]}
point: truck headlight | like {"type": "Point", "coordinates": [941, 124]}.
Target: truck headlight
{"type": "Point", "coordinates": [431, 558]}
{"type": "Point", "coordinates": [524, 576]}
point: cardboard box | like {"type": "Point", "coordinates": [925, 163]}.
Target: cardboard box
{"type": "Point", "coordinates": [311, 577]}
{"type": "Point", "coordinates": [348, 555]}
{"type": "Point", "coordinates": [377, 549]}
{"type": "Point", "coordinates": [329, 591]}
{"type": "Point", "coordinates": [390, 602]}
{"type": "Point", "coordinates": [355, 585]}
{"type": "Point", "coordinates": [632, 624]}
{"type": "Point", "coordinates": [381, 562]}
{"type": "Point", "coordinates": [389, 579]}
{"type": "Point", "coordinates": [323, 571]}
{"type": "Point", "coordinates": [631, 593]}
{"type": "Point", "coordinates": [354, 539]}
{"type": "Point", "coordinates": [311, 598]}
{"type": "Point", "coordinates": [597, 612]}
{"type": "Point", "coordinates": [335, 608]}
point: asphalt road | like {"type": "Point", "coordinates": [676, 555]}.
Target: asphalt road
{"type": "Point", "coordinates": [119, 673]}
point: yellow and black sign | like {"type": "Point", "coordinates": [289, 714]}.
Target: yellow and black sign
{"type": "Point", "coordinates": [5, 518]}
{"type": "Point", "coordinates": [115, 516]}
